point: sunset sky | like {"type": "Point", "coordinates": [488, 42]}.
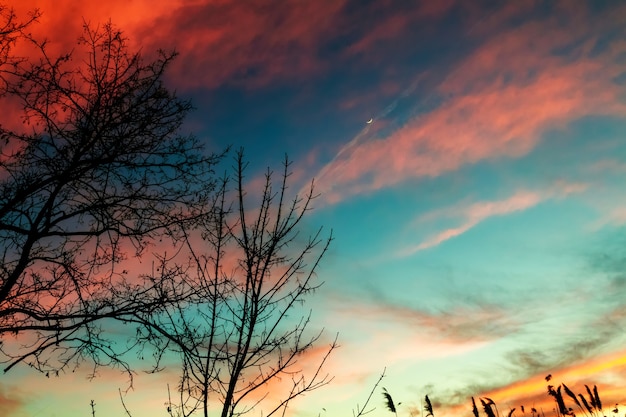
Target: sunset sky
{"type": "Point", "coordinates": [479, 219]}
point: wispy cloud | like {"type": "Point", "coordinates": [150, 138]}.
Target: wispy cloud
{"type": "Point", "coordinates": [249, 44]}
{"type": "Point", "coordinates": [219, 41]}
{"type": "Point", "coordinates": [245, 43]}
{"type": "Point", "coordinates": [496, 103]}
{"type": "Point", "coordinates": [463, 324]}
{"type": "Point", "coordinates": [533, 387]}
{"type": "Point", "coordinates": [61, 23]}
{"type": "Point", "coordinates": [474, 214]}
{"type": "Point", "coordinates": [395, 22]}
{"type": "Point", "coordinates": [469, 215]}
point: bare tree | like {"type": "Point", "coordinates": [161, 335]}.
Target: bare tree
{"type": "Point", "coordinates": [243, 335]}
{"type": "Point", "coordinates": [100, 172]}
{"type": "Point", "coordinates": [11, 29]}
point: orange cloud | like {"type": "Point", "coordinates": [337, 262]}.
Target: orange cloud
{"type": "Point", "coordinates": [594, 372]}
{"type": "Point", "coordinates": [607, 372]}
{"type": "Point", "coordinates": [59, 26]}
{"type": "Point", "coordinates": [498, 103]}
{"type": "Point", "coordinates": [10, 403]}
{"type": "Point", "coordinates": [61, 22]}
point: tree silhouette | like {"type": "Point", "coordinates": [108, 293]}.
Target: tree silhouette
{"type": "Point", "coordinates": [242, 337]}
{"type": "Point", "coordinates": [11, 29]}
{"type": "Point", "coordinates": [98, 173]}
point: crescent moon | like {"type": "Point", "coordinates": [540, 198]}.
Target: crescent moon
{"type": "Point", "coordinates": [369, 122]}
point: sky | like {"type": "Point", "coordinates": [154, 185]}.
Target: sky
{"type": "Point", "coordinates": [479, 218]}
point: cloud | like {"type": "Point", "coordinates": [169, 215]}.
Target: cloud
{"type": "Point", "coordinates": [219, 41]}
{"type": "Point", "coordinates": [615, 217]}
{"type": "Point", "coordinates": [574, 376]}
{"type": "Point", "coordinates": [476, 213]}
{"type": "Point", "coordinates": [254, 43]}
{"type": "Point", "coordinates": [573, 347]}
{"type": "Point", "coordinates": [10, 402]}
{"type": "Point", "coordinates": [250, 43]}
{"type": "Point", "coordinates": [495, 103]}
{"type": "Point", "coordinates": [395, 23]}
{"type": "Point", "coordinates": [605, 371]}
{"type": "Point", "coordinates": [473, 214]}
{"type": "Point", "coordinates": [607, 166]}
{"type": "Point", "coordinates": [457, 326]}
{"type": "Point", "coordinates": [61, 22]}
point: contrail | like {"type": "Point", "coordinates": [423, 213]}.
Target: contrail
{"type": "Point", "coordinates": [363, 133]}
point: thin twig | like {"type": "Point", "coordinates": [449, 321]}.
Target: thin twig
{"type": "Point", "coordinates": [363, 411]}
{"type": "Point", "coordinates": [123, 404]}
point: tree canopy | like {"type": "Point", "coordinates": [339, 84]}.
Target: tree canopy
{"type": "Point", "coordinates": [99, 171]}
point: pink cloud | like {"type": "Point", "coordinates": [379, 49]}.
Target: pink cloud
{"type": "Point", "coordinates": [612, 213]}
{"type": "Point", "coordinates": [500, 100]}
{"type": "Point", "coordinates": [438, 239]}
{"type": "Point", "coordinates": [250, 43]}
{"type": "Point", "coordinates": [475, 213]}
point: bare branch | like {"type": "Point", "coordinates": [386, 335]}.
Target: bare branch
{"type": "Point", "coordinates": [363, 410]}
{"type": "Point", "coordinates": [243, 334]}
{"type": "Point", "coordinates": [101, 167]}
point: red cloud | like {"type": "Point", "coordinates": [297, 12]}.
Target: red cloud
{"type": "Point", "coordinates": [247, 42]}
{"type": "Point", "coordinates": [218, 40]}
{"type": "Point", "coordinates": [251, 43]}
{"type": "Point", "coordinates": [61, 22]}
